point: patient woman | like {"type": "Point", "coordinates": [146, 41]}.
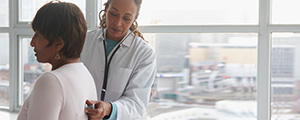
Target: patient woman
{"type": "Point", "coordinates": [60, 30]}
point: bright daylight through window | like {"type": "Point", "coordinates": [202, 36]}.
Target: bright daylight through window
{"type": "Point", "coordinates": [4, 70]}
{"type": "Point", "coordinates": [285, 78]}
{"type": "Point", "coordinates": [28, 8]}
{"type": "Point", "coordinates": [31, 68]}
{"type": "Point", "coordinates": [204, 76]}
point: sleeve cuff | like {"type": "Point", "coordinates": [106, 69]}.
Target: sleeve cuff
{"type": "Point", "coordinates": [113, 114]}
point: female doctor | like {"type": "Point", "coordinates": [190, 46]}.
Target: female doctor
{"type": "Point", "coordinates": [121, 62]}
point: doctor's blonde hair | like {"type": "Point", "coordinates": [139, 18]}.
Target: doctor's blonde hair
{"type": "Point", "coordinates": [132, 27]}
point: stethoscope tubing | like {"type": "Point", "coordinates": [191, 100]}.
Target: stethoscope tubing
{"type": "Point", "coordinates": [107, 64]}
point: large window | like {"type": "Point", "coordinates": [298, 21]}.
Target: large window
{"type": "Point", "coordinates": [199, 12]}
{"type": "Point", "coordinates": [285, 12]}
{"type": "Point", "coordinates": [4, 13]}
{"type": "Point", "coordinates": [4, 70]}
{"type": "Point", "coordinates": [31, 69]}
{"type": "Point", "coordinates": [285, 84]}
{"type": "Point", "coordinates": [216, 59]}
{"type": "Point", "coordinates": [4, 55]}
{"type": "Point", "coordinates": [28, 8]}
{"type": "Point", "coordinates": [204, 74]}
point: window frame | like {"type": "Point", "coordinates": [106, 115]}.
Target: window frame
{"type": "Point", "coordinates": [264, 30]}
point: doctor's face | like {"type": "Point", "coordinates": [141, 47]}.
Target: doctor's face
{"type": "Point", "coordinates": [44, 53]}
{"type": "Point", "coordinates": [119, 17]}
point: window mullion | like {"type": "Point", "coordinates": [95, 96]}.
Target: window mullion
{"type": "Point", "coordinates": [263, 72]}
{"type": "Point", "coordinates": [91, 13]}
{"type": "Point", "coordinates": [284, 28]}
{"type": "Point", "coordinates": [13, 59]}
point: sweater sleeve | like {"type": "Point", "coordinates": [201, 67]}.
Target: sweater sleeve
{"type": "Point", "coordinates": [46, 99]}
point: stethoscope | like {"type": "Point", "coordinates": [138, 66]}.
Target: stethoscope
{"type": "Point", "coordinates": [107, 64]}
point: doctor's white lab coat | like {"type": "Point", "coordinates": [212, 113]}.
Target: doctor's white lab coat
{"type": "Point", "coordinates": [131, 72]}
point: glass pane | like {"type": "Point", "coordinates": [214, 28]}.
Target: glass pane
{"type": "Point", "coordinates": [31, 68]}
{"type": "Point", "coordinates": [4, 13]}
{"type": "Point", "coordinates": [204, 76]}
{"type": "Point", "coordinates": [4, 70]}
{"type": "Point", "coordinates": [285, 12]}
{"type": "Point", "coordinates": [198, 12]}
{"type": "Point", "coordinates": [100, 6]}
{"type": "Point", "coordinates": [28, 8]}
{"type": "Point", "coordinates": [285, 77]}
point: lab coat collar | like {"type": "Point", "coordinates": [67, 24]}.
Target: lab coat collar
{"type": "Point", "coordinates": [102, 34]}
{"type": "Point", "coordinates": [125, 43]}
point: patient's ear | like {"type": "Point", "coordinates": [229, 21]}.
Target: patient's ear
{"type": "Point", "coordinates": [59, 44]}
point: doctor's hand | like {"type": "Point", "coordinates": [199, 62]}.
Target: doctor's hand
{"type": "Point", "coordinates": [101, 110]}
